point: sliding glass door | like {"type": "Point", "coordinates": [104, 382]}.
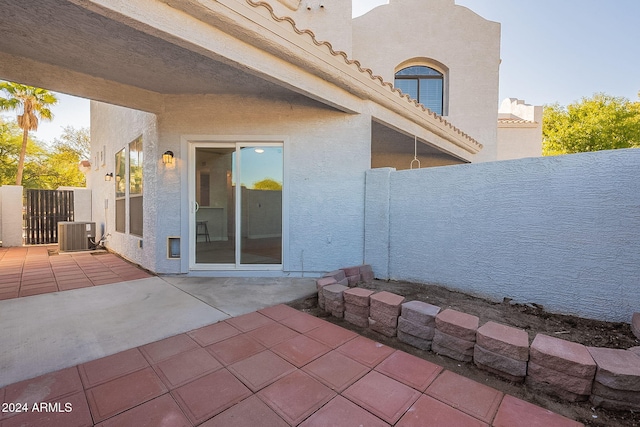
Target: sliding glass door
{"type": "Point", "coordinates": [237, 212]}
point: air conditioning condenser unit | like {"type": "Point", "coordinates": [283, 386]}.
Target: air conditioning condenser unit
{"type": "Point", "coordinates": [75, 236]}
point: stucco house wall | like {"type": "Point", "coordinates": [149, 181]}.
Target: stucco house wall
{"type": "Point", "coordinates": [556, 231]}
{"type": "Point", "coordinates": [112, 129]}
{"type": "Point", "coordinates": [441, 34]}
{"type": "Point", "coordinates": [330, 20]}
{"type": "Point", "coordinates": [326, 154]}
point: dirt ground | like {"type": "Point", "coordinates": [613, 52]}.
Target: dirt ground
{"type": "Point", "coordinates": [530, 318]}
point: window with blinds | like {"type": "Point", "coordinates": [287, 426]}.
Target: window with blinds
{"type": "Point", "coordinates": [424, 84]}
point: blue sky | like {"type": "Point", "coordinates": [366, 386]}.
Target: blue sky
{"type": "Point", "coordinates": [561, 50]}
{"type": "Point", "coordinates": [552, 51]}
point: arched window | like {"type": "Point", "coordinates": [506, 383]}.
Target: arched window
{"type": "Point", "coordinates": [424, 84]}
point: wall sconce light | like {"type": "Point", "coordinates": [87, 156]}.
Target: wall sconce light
{"type": "Point", "coordinates": [108, 176]}
{"type": "Point", "coordinates": [167, 157]}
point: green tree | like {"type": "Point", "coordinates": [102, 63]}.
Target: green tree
{"type": "Point", "coordinates": [10, 141]}
{"type": "Point", "coordinates": [44, 167]}
{"type": "Point", "coordinates": [75, 140]}
{"type": "Point", "coordinates": [64, 158]}
{"type": "Point", "coordinates": [602, 122]}
{"type": "Point", "coordinates": [267, 184]}
{"type": "Point", "coordinates": [35, 157]}
{"type": "Point", "coordinates": [34, 104]}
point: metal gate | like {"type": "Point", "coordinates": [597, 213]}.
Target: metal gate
{"type": "Point", "coordinates": [43, 210]}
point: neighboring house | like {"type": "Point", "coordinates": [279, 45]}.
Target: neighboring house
{"type": "Point", "coordinates": [519, 130]}
{"type": "Point", "coordinates": [227, 139]}
{"type": "Point", "coordinates": [444, 55]}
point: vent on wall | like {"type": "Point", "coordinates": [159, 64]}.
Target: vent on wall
{"type": "Point", "coordinates": [75, 236]}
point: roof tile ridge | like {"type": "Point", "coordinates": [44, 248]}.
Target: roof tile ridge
{"type": "Point", "coordinates": [522, 121]}
{"type": "Point", "coordinates": [359, 66]}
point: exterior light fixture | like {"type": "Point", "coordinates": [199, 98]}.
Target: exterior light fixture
{"type": "Point", "coordinates": [109, 176]}
{"type": "Point", "coordinates": [167, 157]}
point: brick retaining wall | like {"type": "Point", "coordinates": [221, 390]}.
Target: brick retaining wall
{"type": "Point", "coordinates": [610, 378]}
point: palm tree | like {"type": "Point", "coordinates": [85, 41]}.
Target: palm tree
{"type": "Point", "coordinates": [34, 104]}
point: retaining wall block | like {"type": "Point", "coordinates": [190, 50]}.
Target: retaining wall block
{"type": "Point", "coordinates": [344, 282]}
{"type": "Point", "coordinates": [504, 364]}
{"type": "Point", "coordinates": [617, 369]}
{"type": "Point", "coordinates": [559, 379]}
{"type": "Point", "coordinates": [417, 330]}
{"type": "Point", "coordinates": [386, 302]}
{"type": "Point", "coordinates": [358, 296]}
{"type": "Point", "coordinates": [420, 313]}
{"type": "Point", "coordinates": [334, 292]}
{"type": "Point", "coordinates": [458, 324]}
{"type": "Point", "coordinates": [353, 280]}
{"type": "Point", "coordinates": [601, 402]}
{"type": "Point", "coordinates": [333, 305]}
{"type": "Point", "coordinates": [338, 275]}
{"type": "Point", "coordinates": [504, 340]}
{"type": "Point", "coordinates": [357, 310]}
{"type": "Point", "coordinates": [351, 271]}
{"type": "Point", "coordinates": [551, 389]}
{"type": "Point", "coordinates": [381, 328]}
{"type": "Point", "coordinates": [366, 273]}
{"type": "Point", "coordinates": [320, 284]}
{"type": "Point", "coordinates": [383, 317]}
{"type": "Point", "coordinates": [610, 398]}
{"type": "Point", "coordinates": [414, 341]}
{"type": "Point", "coordinates": [354, 319]}
{"type": "Point", "coordinates": [563, 356]}
{"type": "Point", "coordinates": [508, 377]}
{"type": "Point", "coordinates": [456, 344]}
{"type": "Point", "coordinates": [367, 277]}
{"type": "Point", "coordinates": [325, 281]}
{"type": "Point", "coordinates": [366, 268]}
{"type": "Point", "coordinates": [444, 351]}
{"type": "Point", "coordinates": [337, 313]}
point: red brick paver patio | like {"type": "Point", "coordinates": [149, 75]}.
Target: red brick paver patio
{"type": "Point", "coordinates": [30, 270]}
{"type": "Point", "coordinates": [274, 367]}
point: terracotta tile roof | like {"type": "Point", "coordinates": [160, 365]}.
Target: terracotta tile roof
{"type": "Point", "coordinates": [363, 70]}
{"type": "Point", "coordinates": [515, 121]}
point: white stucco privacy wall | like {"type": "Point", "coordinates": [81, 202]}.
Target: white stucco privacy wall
{"type": "Point", "coordinates": [11, 215]}
{"type": "Point", "coordinates": [557, 231]}
{"type": "Point", "coordinates": [81, 203]}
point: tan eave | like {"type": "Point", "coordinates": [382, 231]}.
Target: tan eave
{"type": "Point", "coordinates": [256, 23]}
{"type": "Point", "coordinates": [443, 127]}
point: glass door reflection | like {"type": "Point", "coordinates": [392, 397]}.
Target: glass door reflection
{"type": "Point", "coordinates": [215, 206]}
{"type": "Point", "coordinates": [261, 179]}
{"type": "Point", "coordinates": [238, 225]}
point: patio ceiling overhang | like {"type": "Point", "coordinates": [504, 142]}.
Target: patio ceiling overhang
{"type": "Point", "coordinates": [137, 52]}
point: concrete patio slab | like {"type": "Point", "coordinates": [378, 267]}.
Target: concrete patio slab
{"type": "Point", "coordinates": [48, 332]}
{"type": "Point", "coordinates": [240, 295]}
